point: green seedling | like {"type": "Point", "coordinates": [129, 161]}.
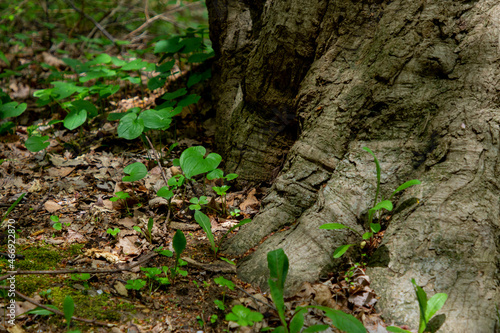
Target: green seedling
{"type": "Point", "coordinates": [428, 308]}
{"type": "Point", "coordinates": [197, 203]}
{"type": "Point", "coordinates": [224, 283]}
{"type": "Point", "coordinates": [46, 294]}
{"type": "Point", "coordinates": [204, 222]}
{"type": "Point", "coordinates": [214, 318]}
{"type": "Point", "coordinates": [136, 171]}
{"type": "Point", "coordinates": [57, 225]}
{"type": "Point", "coordinates": [278, 264]}
{"type": "Point", "coordinates": [83, 277]}
{"type": "Point", "coordinates": [121, 196]}
{"type": "Point", "coordinates": [221, 190]}
{"type": "Point", "coordinates": [14, 204]}
{"type": "Point", "coordinates": [135, 284]}
{"type": "Point", "coordinates": [149, 229]}
{"type": "Point", "coordinates": [243, 316]}
{"type": "Point", "coordinates": [152, 275]}
{"type": "Point", "coordinates": [113, 232]}
{"type": "Point", "coordinates": [378, 206]}
{"type": "Point", "coordinates": [235, 212]}
{"type": "Point", "coordinates": [9, 109]}
{"type": "Point", "coordinates": [193, 162]}
{"type": "Point", "coordinates": [179, 244]}
{"type": "Point", "coordinates": [68, 309]}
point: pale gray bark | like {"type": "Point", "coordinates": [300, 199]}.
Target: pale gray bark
{"type": "Point", "coordinates": [415, 81]}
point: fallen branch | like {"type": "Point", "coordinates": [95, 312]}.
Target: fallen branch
{"type": "Point", "coordinates": [32, 301]}
{"type": "Point", "coordinates": [82, 270]}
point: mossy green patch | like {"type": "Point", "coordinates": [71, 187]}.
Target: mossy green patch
{"type": "Point", "coordinates": [98, 307]}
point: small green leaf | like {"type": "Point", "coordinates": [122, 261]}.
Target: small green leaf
{"type": "Point", "coordinates": [215, 174]}
{"type": "Point", "coordinates": [434, 304]}
{"type": "Point", "coordinates": [221, 281]}
{"type": "Point", "coordinates": [342, 321]}
{"type": "Point", "coordinates": [386, 204]}
{"type": "Point", "coordinates": [37, 143]}
{"type": "Point", "coordinates": [333, 226]}
{"type": "Point", "coordinates": [406, 185]}
{"type": "Point", "coordinates": [339, 252]}
{"type": "Point", "coordinates": [75, 119]}
{"type": "Point", "coordinates": [396, 329]}
{"type": "Point", "coordinates": [136, 171]}
{"type": "Point", "coordinates": [130, 127]}
{"type": "Point", "coordinates": [220, 304]}
{"type": "Point", "coordinates": [12, 109]}
{"type": "Point", "coordinates": [204, 222]}
{"type": "Point", "coordinates": [68, 309]}
{"type": "Point", "coordinates": [375, 227]}
{"type": "Point", "coordinates": [164, 192]}
{"type": "Point", "coordinates": [193, 163]}
{"type": "Point", "coordinates": [179, 242]}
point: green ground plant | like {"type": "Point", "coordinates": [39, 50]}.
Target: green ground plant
{"type": "Point", "coordinates": [224, 283]}
{"type": "Point", "coordinates": [428, 308]}
{"type": "Point", "coordinates": [377, 206]}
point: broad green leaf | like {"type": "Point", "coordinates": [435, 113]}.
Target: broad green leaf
{"type": "Point", "coordinates": [204, 222]}
{"type": "Point", "coordinates": [136, 171]}
{"type": "Point", "coordinates": [199, 57]}
{"type": "Point", "coordinates": [135, 65]}
{"type": "Point", "coordinates": [75, 119]}
{"type": "Point", "coordinates": [64, 89]}
{"type": "Point", "coordinates": [4, 58]}
{"type": "Point", "coordinates": [215, 174]}
{"type": "Point", "coordinates": [130, 127]}
{"type": "Point", "coordinates": [434, 304]}
{"type": "Point", "coordinates": [406, 185]}
{"type": "Point", "coordinates": [81, 104]}
{"type": "Point", "coordinates": [156, 82]}
{"type": "Point", "coordinates": [43, 312]}
{"type": "Point", "coordinates": [386, 204]}
{"type": "Point", "coordinates": [164, 192]}
{"type": "Point", "coordinates": [333, 226]}
{"type": "Point", "coordinates": [277, 296]}
{"type": "Point", "coordinates": [277, 262]}
{"type": "Point", "coordinates": [171, 45]}
{"type": "Point", "coordinates": [297, 322]}
{"type": "Point", "coordinates": [221, 281]}
{"type": "Point", "coordinates": [175, 94]}
{"type": "Point", "coordinates": [396, 329]}
{"type": "Point", "coordinates": [189, 99]}
{"type": "Point", "coordinates": [179, 242]}
{"type": "Point", "coordinates": [231, 176]}
{"type": "Point", "coordinates": [422, 304]}
{"type": "Point", "coordinates": [367, 235]}
{"type": "Point", "coordinates": [37, 143]}
{"type": "Point", "coordinates": [68, 308]}
{"type": "Point", "coordinates": [341, 320]}
{"type": "Point", "coordinates": [375, 227]}
{"type": "Point", "coordinates": [101, 59]}
{"type": "Point", "coordinates": [193, 163]}
{"type": "Point", "coordinates": [166, 67]}
{"type": "Point", "coordinates": [192, 44]}
{"type": "Point", "coordinates": [12, 109]}
{"type": "Point", "coordinates": [155, 120]}
{"type": "Point", "coordinates": [339, 252]}
{"type": "Point", "coordinates": [135, 284]}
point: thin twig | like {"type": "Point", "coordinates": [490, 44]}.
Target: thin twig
{"type": "Point", "coordinates": [32, 301]}
{"type": "Point", "coordinates": [256, 299]}
{"type": "Point", "coordinates": [100, 27]}
{"type": "Point", "coordinates": [157, 158]}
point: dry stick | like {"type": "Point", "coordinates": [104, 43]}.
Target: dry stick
{"type": "Point", "coordinates": [256, 299]}
{"type": "Point", "coordinates": [32, 301]}
{"type": "Point", "coordinates": [157, 158]}
{"type": "Point", "coordinates": [100, 27]}
{"type": "Point", "coordinates": [82, 270]}
{"type": "Point", "coordinates": [162, 16]}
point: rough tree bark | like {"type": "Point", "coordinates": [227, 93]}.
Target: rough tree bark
{"type": "Point", "coordinates": [418, 83]}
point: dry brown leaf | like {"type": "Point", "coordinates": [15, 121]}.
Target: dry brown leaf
{"type": "Point", "coordinates": [51, 206]}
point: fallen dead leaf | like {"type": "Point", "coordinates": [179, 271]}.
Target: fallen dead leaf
{"type": "Point", "coordinates": [51, 206]}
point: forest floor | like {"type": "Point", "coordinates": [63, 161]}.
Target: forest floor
{"type": "Point", "coordinates": [68, 186]}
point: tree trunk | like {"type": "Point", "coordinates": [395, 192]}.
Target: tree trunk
{"type": "Point", "coordinates": [416, 82]}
